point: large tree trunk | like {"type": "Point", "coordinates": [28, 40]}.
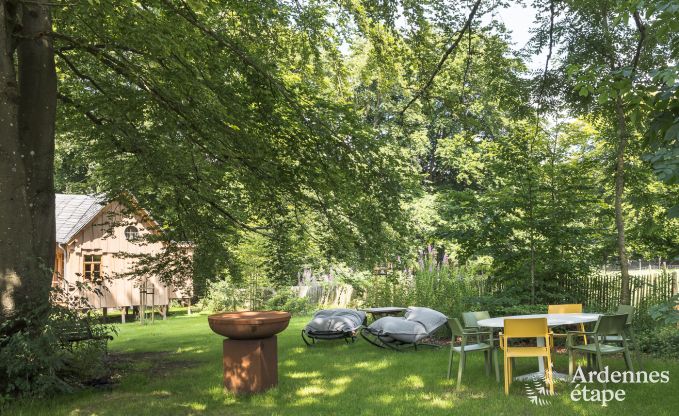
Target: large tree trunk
{"type": "Point", "coordinates": [27, 117]}
{"type": "Point", "coordinates": [625, 295]}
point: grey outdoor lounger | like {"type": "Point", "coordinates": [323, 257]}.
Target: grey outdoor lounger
{"type": "Point", "coordinates": [398, 333]}
{"type": "Point", "coordinates": [331, 324]}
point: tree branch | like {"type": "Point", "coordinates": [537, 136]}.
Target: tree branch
{"type": "Point", "coordinates": [641, 27]}
{"type": "Point", "coordinates": [444, 58]}
{"type": "Point", "coordinates": [68, 100]}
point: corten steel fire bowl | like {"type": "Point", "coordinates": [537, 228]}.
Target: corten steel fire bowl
{"type": "Point", "coordinates": [249, 324]}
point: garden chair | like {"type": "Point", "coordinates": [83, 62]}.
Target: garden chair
{"type": "Point", "coordinates": [527, 328]}
{"type": "Point", "coordinates": [465, 348]}
{"type": "Point", "coordinates": [607, 325]}
{"type": "Point", "coordinates": [567, 308]}
{"type": "Point", "coordinates": [331, 324]}
{"type": "Point", "coordinates": [629, 332]}
{"type": "Point", "coordinates": [471, 319]}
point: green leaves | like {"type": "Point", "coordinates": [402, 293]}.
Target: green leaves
{"type": "Point", "coordinates": [229, 117]}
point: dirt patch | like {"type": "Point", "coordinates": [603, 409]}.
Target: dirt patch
{"type": "Point", "coordinates": [153, 364]}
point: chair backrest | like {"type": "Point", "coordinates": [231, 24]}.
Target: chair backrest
{"type": "Point", "coordinates": [565, 308]}
{"type": "Point", "coordinates": [455, 327]}
{"type": "Point", "coordinates": [471, 318]}
{"type": "Point", "coordinates": [626, 309]}
{"type": "Point", "coordinates": [526, 328]}
{"type": "Point", "coordinates": [611, 324]}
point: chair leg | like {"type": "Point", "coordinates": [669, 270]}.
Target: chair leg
{"type": "Point", "coordinates": [450, 362]}
{"type": "Point", "coordinates": [486, 360]}
{"type": "Point", "coordinates": [571, 364]}
{"type": "Point", "coordinates": [497, 365]}
{"type": "Point", "coordinates": [628, 360]}
{"type": "Point", "coordinates": [506, 374]}
{"type": "Point", "coordinates": [599, 364]}
{"type": "Point", "coordinates": [511, 369]}
{"type": "Point", "coordinates": [460, 368]}
{"type": "Point", "coordinates": [582, 328]}
{"type": "Point", "coordinates": [549, 374]}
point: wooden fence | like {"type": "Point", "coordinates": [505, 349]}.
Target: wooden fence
{"type": "Point", "coordinates": [602, 291]}
{"type": "Point", "coordinates": [599, 292]}
{"type": "Point", "coordinates": [338, 295]}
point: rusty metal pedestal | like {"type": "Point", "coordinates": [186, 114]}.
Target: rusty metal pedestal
{"type": "Point", "coordinates": [250, 365]}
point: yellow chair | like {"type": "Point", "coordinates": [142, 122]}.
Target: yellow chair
{"type": "Point", "coordinates": [527, 328]}
{"type": "Point", "coordinates": [568, 308]}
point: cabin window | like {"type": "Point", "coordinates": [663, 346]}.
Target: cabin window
{"type": "Point", "coordinates": [92, 267]}
{"type": "Point", "coordinates": [131, 233]}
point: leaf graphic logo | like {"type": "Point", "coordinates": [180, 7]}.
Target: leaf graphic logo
{"type": "Point", "coordinates": [537, 391]}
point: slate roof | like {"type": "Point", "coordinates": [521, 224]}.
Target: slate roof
{"type": "Point", "coordinates": [73, 212]}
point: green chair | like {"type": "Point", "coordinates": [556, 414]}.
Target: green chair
{"type": "Point", "coordinates": [629, 332]}
{"type": "Point", "coordinates": [607, 325]}
{"type": "Point", "coordinates": [471, 319]}
{"type": "Point", "coordinates": [486, 346]}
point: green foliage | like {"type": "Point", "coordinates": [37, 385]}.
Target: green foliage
{"type": "Point", "coordinates": [227, 119]}
{"type": "Point", "coordinates": [660, 342]}
{"type": "Point", "coordinates": [287, 300]}
{"type": "Point", "coordinates": [221, 296]}
{"type": "Point", "coordinates": [272, 135]}
{"type": "Point", "coordinates": [663, 132]}
{"type": "Point", "coordinates": [37, 360]}
{"type": "Point", "coordinates": [500, 304]}
{"type": "Point", "coordinates": [441, 286]}
{"type": "Point", "coordinates": [667, 312]}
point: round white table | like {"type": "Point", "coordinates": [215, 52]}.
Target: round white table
{"type": "Point", "coordinates": [553, 319]}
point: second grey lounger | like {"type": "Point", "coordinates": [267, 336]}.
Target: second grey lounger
{"type": "Point", "coordinates": [398, 333]}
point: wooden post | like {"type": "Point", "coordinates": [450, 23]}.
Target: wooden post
{"type": "Point", "coordinates": [153, 305]}
{"type": "Point", "coordinates": [104, 313]}
{"type": "Point", "coordinates": [164, 310]}
{"type": "Point", "coordinates": [123, 314]}
{"type": "Point", "coordinates": [674, 284]}
{"type": "Point", "coordinates": [189, 306]}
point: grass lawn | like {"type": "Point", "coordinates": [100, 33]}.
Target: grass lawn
{"type": "Point", "coordinates": [173, 367]}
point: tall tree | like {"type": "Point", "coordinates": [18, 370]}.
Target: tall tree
{"type": "Point", "coordinates": [27, 118]}
{"type": "Point", "coordinates": [607, 56]}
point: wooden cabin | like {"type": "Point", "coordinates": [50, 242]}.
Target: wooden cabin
{"type": "Point", "coordinates": [94, 239]}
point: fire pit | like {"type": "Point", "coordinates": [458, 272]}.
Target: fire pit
{"type": "Point", "coordinates": [250, 352]}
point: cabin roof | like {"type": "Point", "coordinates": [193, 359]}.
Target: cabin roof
{"type": "Point", "coordinates": [73, 212]}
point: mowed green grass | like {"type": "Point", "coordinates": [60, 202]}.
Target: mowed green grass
{"type": "Point", "coordinates": [174, 367]}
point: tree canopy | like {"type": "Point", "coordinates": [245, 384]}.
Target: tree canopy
{"type": "Point", "coordinates": [281, 135]}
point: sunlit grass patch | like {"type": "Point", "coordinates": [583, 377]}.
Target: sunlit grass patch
{"type": "Point", "coordinates": [298, 375]}
{"type": "Point", "coordinates": [413, 381]}
{"type": "Point", "coordinates": [174, 367]}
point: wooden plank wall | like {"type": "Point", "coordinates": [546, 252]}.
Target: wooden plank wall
{"type": "Point", "coordinates": [100, 237]}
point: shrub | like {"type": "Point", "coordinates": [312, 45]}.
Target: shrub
{"type": "Point", "coordinates": [660, 342]}
{"type": "Point", "coordinates": [35, 359]}
{"type": "Point", "coordinates": [222, 295]}
{"type": "Point", "coordinates": [666, 312]}
{"type": "Point", "coordinates": [448, 289]}
{"type": "Point", "coordinates": [287, 300]}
